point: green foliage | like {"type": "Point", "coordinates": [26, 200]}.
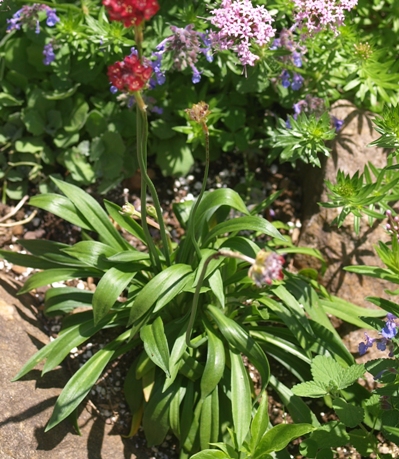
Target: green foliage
{"type": "Point", "coordinates": [363, 194]}
{"type": "Point", "coordinates": [199, 385]}
{"type": "Point", "coordinates": [303, 139]}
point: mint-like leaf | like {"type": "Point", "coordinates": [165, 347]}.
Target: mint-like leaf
{"type": "Point", "coordinates": [364, 442]}
{"type": "Point", "coordinates": [313, 389]}
{"type": "Point", "coordinates": [350, 415]}
{"type": "Point", "coordinates": [325, 370]}
{"type": "Point", "coordinates": [330, 435]}
{"type": "Point", "coordinates": [350, 375]}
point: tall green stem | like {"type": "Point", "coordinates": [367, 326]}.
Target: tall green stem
{"type": "Point", "coordinates": [190, 237]}
{"type": "Point", "coordinates": [142, 134]}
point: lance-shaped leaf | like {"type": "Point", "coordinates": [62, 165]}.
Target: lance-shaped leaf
{"type": "Point", "coordinates": [241, 400]}
{"type": "Point", "coordinates": [82, 381]}
{"type": "Point", "coordinates": [111, 285]}
{"type": "Point", "coordinates": [161, 289]}
{"type": "Point", "coordinates": [93, 213]}
{"type": "Point", "coordinates": [156, 344]}
{"type": "Point", "coordinates": [278, 437]}
{"type": "Point", "coordinates": [62, 207]}
{"type": "Point", "coordinates": [56, 275]}
{"type": "Point", "coordinates": [237, 337]}
{"type": "Point", "coordinates": [250, 223]}
{"type": "Point", "coordinates": [215, 363]}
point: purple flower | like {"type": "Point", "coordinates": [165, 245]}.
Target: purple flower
{"type": "Point", "coordinates": [52, 17]}
{"type": "Point", "coordinates": [297, 81]}
{"type": "Point", "coordinates": [29, 15]}
{"type": "Point", "coordinates": [240, 24]}
{"type": "Point", "coordinates": [288, 41]}
{"type": "Point", "coordinates": [185, 46]}
{"type": "Point", "coordinates": [381, 344]}
{"type": "Point", "coordinates": [389, 331]}
{"type": "Point", "coordinates": [196, 75]}
{"type": "Point", "coordinates": [48, 53]}
{"type": "Point", "coordinates": [297, 59]}
{"type": "Point", "coordinates": [337, 123]}
{"type": "Point", "coordinates": [285, 79]}
{"type": "Point", "coordinates": [363, 347]}
{"type": "Point", "coordinates": [288, 123]}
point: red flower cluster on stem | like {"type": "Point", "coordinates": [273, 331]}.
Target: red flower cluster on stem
{"type": "Point", "coordinates": [129, 75]}
{"type": "Point", "coordinates": [131, 12]}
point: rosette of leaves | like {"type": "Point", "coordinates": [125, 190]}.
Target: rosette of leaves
{"type": "Point", "coordinates": [368, 194]}
{"type": "Point", "coordinates": [196, 390]}
{"type": "Point", "coordinates": [303, 138]}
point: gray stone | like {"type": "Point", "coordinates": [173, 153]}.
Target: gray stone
{"type": "Point", "coordinates": [26, 405]}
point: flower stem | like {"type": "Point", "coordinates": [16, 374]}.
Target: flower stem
{"type": "Point", "coordinates": [191, 225]}
{"type": "Point", "coordinates": [142, 134]}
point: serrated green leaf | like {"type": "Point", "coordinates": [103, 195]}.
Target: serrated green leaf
{"type": "Point", "coordinates": [350, 375]}
{"type": "Point", "coordinates": [313, 389]}
{"type": "Point", "coordinates": [350, 415]}
{"type": "Point", "coordinates": [332, 434]}
{"type": "Point", "coordinates": [326, 370]}
{"type": "Point", "coordinates": [156, 345]}
{"type": "Point", "coordinates": [364, 442]}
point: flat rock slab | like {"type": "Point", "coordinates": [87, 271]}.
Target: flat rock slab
{"type": "Point", "coordinates": [26, 405]}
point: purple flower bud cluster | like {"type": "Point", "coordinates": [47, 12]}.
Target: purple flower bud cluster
{"type": "Point", "coordinates": [295, 82]}
{"type": "Point", "coordinates": [185, 46]}
{"type": "Point", "coordinates": [29, 15]}
{"type": "Point", "coordinates": [240, 24]}
{"type": "Point", "coordinates": [317, 15]}
{"type": "Point", "coordinates": [388, 332]}
{"type": "Point", "coordinates": [48, 53]}
{"type": "Point", "coordinates": [393, 224]}
{"type": "Point", "coordinates": [286, 41]}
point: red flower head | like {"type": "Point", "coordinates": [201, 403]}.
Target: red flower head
{"type": "Point", "coordinates": [130, 74]}
{"type": "Point", "coordinates": [131, 12]}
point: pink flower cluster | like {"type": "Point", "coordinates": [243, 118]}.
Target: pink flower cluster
{"type": "Point", "coordinates": [317, 15]}
{"type": "Point", "coordinates": [240, 23]}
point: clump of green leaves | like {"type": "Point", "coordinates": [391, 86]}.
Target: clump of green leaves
{"type": "Point", "coordinates": [339, 387]}
{"type": "Point", "coordinates": [363, 194]}
{"type": "Point", "coordinates": [303, 138]}
{"type": "Point", "coordinates": [388, 126]}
